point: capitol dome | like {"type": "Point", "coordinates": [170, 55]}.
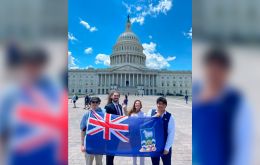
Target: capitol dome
{"type": "Point", "coordinates": [128, 49]}
{"type": "Point", "coordinates": [128, 36]}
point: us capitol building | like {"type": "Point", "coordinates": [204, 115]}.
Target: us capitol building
{"type": "Point", "coordinates": [128, 73]}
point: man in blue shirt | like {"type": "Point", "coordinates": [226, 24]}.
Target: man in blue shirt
{"type": "Point", "coordinates": [168, 123]}
{"type": "Point", "coordinates": [220, 116]}
{"type": "Point", "coordinates": [94, 106]}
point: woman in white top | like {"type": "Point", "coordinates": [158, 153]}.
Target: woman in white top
{"type": "Point", "coordinates": [137, 112]}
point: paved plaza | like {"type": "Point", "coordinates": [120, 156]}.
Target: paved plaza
{"type": "Point", "coordinates": [182, 147]}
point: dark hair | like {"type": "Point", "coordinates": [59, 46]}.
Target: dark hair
{"type": "Point", "coordinates": [133, 110]}
{"type": "Point", "coordinates": [109, 99]}
{"type": "Point", "coordinates": [161, 99]}
{"type": "Point", "coordinates": [96, 99]}
{"type": "Point", "coordinates": [219, 56]}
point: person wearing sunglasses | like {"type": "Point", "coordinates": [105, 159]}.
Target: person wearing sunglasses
{"type": "Point", "coordinates": [94, 106]}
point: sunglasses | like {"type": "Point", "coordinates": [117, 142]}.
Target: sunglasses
{"type": "Point", "coordinates": [94, 102]}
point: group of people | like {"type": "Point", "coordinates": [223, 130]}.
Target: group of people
{"type": "Point", "coordinates": [114, 107]}
{"type": "Point", "coordinates": [87, 99]}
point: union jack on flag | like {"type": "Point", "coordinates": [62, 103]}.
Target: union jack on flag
{"type": "Point", "coordinates": [108, 124]}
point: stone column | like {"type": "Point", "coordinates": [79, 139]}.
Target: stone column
{"type": "Point", "coordinates": [116, 78]}
{"type": "Point", "coordinates": [154, 80]}
{"type": "Point", "coordinates": [144, 79]}
{"type": "Point", "coordinates": [129, 80]}
{"type": "Point", "coordinates": [105, 80]}
{"type": "Point", "coordinates": [109, 80]}
{"type": "Point", "coordinates": [121, 84]}
{"type": "Point", "coordinates": [113, 78]}
{"type": "Point", "coordinates": [137, 79]}
{"type": "Point", "coordinates": [149, 80]}
{"type": "Point", "coordinates": [134, 80]}
{"type": "Point", "coordinates": [125, 80]}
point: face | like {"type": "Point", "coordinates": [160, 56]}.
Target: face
{"type": "Point", "coordinates": [161, 106]}
{"type": "Point", "coordinates": [115, 97]}
{"type": "Point", "coordinates": [137, 105]}
{"type": "Point", "coordinates": [94, 105]}
{"type": "Point", "coordinates": [30, 72]}
{"type": "Point", "coordinates": [216, 75]}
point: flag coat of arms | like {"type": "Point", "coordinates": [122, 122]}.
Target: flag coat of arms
{"type": "Point", "coordinates": [110, 134]}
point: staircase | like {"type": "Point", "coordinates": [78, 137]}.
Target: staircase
{"type": "Point", "coordinates": [126, 90]}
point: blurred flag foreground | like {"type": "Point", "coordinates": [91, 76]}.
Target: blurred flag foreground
{"type": "Point", "coordinates": [125, 136]}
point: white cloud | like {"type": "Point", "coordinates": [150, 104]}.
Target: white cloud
{"type": "Point", "coordinates": [171, 58]}
{"type": "Point", "coordinates": [150, 36]}
{"type": "Point", "coordinates": [155, 60]}
{"type": "Point", "coordinates": [88, 50]}
{"type": "Point", "coordinates": [139, 19]}
{"type": "Point", "coordinates": [128, 7]}
{"type": "Point", "coordinates": [72, 61]}
{"type": "Point", "coordinates": [92, 29]}
{"type": "Point", "coordinates": [87, 26]}
{"type": "Point", "coordinates": [163, 6]}
{"type": "Point", "coordinates": [188, 34]}
{"type": "Point", "coordinates": [103, 59]}
{"type": "Point", "coordinates": [138, 8]}
{"type": "Point", "coordinates": [71, 37]}
{"type": "Point", "coordinates": [143, 8]}
{"type": "Point", "coordinates": [89, 66]}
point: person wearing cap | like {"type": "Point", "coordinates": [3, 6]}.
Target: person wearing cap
{"type": "Point", "coordinates": [94, 106]}
{"type": "Point", "coordinates": [168, 126]}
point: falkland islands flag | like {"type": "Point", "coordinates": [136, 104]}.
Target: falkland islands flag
{"type": "Point", "coordinates": [109, 134]}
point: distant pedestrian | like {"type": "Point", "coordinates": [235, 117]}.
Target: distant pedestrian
{"type": "Point", "coordinates": [74, 99]}
{"type": "Point", "coordinates": [87, 101]}
{"type": "Point", "coordinates": [124, 105]}
{"type": "Point", "coordinates": [186, 98]}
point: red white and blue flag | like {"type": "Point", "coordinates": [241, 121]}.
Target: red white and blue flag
{"type": "Point", "coordinates": [110, 134]}
{"type": "Point", "coordinates": [108, 126]}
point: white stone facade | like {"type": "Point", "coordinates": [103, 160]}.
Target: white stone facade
{"type": "Point", "coordinates": [128, 73]}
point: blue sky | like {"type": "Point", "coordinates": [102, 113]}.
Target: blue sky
{"type": "Point", "coordinates": [164, 28]}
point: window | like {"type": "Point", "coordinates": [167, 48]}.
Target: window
{"type": "Point", "coordinates": [79, 90]}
